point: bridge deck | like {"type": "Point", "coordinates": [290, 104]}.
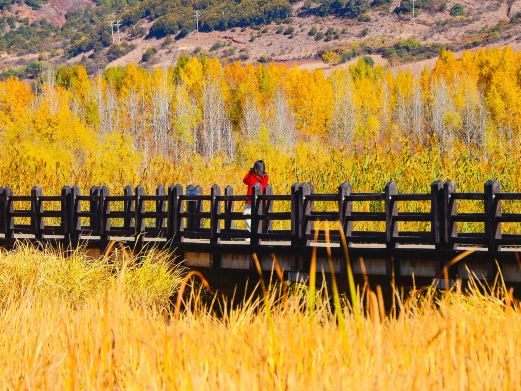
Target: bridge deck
{"type": "Point", "coordinates": [204, 228]}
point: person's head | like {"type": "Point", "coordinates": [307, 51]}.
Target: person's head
{"type": "Point", "coordinates": [259, 168]}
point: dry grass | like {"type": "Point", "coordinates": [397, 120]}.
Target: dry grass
{"type": "Point", "coordinates": [102, 337]}
{"type": "Point", "coordinates": [147, 278]}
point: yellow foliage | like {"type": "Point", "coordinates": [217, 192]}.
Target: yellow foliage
{"type": "Point", "coordinates": [331, 57]}
{"type": "Point", "coordinates": [443, 123]}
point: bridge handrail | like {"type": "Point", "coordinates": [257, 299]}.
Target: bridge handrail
{"type": "Point", "coordinates": [174, 215]}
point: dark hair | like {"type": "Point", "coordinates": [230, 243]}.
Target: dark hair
{"type": "Point", "coordinates": [259, 168]}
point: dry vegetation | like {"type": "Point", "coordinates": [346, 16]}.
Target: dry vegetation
{"type": "Point", "coordinates": [204, 122]}
{"type": "Point", "coordinates": [64, 324]}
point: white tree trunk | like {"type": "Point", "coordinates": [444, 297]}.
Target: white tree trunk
{"type": "Point", "coordinates": [215, 134]}
{"type": "Point", "coordinates": [344, 115]}
{"type": "Point", "coordinates": [282, 124]}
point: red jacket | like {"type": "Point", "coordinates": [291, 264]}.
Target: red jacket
{"type": "Point", "coordinates": [251, 180]}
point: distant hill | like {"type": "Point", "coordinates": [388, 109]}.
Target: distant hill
{"type": "Point", "coordinates": [306, 33]}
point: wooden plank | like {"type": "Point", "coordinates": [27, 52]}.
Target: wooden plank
{"type": "Point", "coordinates": [413, 216]}
{"type": "Point", "coordinates": [140, 210]}
{"type": "Point", "coordinates": [364, 197]}
{"type": "Point", "coordinates": [470, 218]}
{"type": "Point", "coordinates": [267, 211]}
{"type": "Point", "coordinates": [391, 212]}
{"type": "Point", "coordinates": [161, 208]}
{"type": "Point", "coordinates": [469, 196]}
{"type": "Point", "coordinates": [175, 206]}
{"type": "Point", "coordinates": [129, 208]}
{"type": "Point", "coordinates": [366, 216]}
{"type": "Point", "coordinates": [36, 212]}
{"type": "Point", "coordinates": [215, 212]}
{"type": "Point", "coordinates": [411, 197]}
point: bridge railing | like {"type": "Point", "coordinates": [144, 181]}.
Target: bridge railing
{"type": "Point", "coordinates": [176, 215]}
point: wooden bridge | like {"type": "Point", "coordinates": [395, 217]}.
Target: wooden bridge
{"type": "Point", "coordinates": [205, 229]}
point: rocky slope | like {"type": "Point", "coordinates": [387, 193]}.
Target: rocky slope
{"type": "Point", "coordinates": [302, 39]}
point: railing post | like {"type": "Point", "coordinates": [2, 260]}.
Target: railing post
{"type": "Point", "coordinates": [198, 208]}
{"type": "Point", "coordinates": [345, 208]}
{"type": "Point", "coordinates": [65, 215]}
{"type": "Point", "coordinates": [129, 209]}
{"type": "Point", "coordinates": [193, 207]}
{"type": "Point", "coordinates": [296, 198]}
{"type": "Point", "coordinates": [391, 211]}
{"type": "Point", "coordinates": [228, 208]}
{"type": "Point", "coordinates": [36, 212]}
{"type": "Point", "coordinates": [140, 210]}
{"type": "Point", "coordinates": [7, 213]}
{"type": "Point", "coordinates": [175, 206]}
{"type": "Point", "coordinates": [492, 211]}
{"type": "Point", "coordinates": [74, 218]}
{"type": "Point", "coordinates": [267, 208]}
{"type": "Point", "coordinates": [308, 225]}
{"type": "Point", "coordinates": [104, 208]}
{"type": "Point", "coordinates": [94, 209]}
{"type": "Point", "coordinates": [255, 219]}
{"type": "Point", "coordinates": [437, 220]}
{"type": "Point", "coordinates": [2, 210]}
{"type": "Point", "coordinates": [215, 228]}
{"type": "Point", "coordinates": [190, 208]}
{"type": "Point", "coordinates": [450, 209]}
{"type": "Point", "coordinates": [160, 210]}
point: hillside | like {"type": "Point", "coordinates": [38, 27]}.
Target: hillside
{"type": "Point", "coordinates": [309, 34]}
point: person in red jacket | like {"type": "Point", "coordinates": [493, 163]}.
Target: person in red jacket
{"type": "Point", "coordinates": [257, 174]}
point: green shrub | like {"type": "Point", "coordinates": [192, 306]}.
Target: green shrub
{"type": "Point", "coordinates": [405, 6]}
{"type": "Point", "coordinates": [516, 18]}
{"type": "Point", "coordinates": [149, 54]}
{"type": "Point", "coordinates": [289, 31]}
{"type": "Point", "coordinates": [379, 3]}
{"type": "Point", "coordinates": [264, 59]}
{"type": "Point", "coordinates": [117, 51]}
{"type": "Point", "coordinates": [410, 50]}
{"type": "Point", "coordinates": [368, 60]}
{"type": "Point", "coordinates": [457, 10]}
{"type": "Point", "coordinates": [219, 45]}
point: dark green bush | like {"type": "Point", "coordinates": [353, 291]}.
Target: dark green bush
{"type": "Point", "coordinates": [410, 50]}
{"type": "Point", "coordinates": [457, 10]}
{"type": "Point", "coordinates": [149, 54]}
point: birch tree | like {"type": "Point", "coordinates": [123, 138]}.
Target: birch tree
{"type": "Point", "coordinates": [252, 120]}
{"type": "Point", "coordinates": [344, 115]}
{"type": "Point", "coordinates": [215, 134]}
{"type": "Point", "coordinates": [161, 120]}
{"type": "Point", "coordinates": [282, 123]}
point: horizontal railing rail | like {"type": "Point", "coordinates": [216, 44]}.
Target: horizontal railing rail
{"type": "Point", "coordinates": [442, 218]}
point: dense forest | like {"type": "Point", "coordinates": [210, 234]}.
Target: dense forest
{"type": "Point", "coordinates": [203, 122]}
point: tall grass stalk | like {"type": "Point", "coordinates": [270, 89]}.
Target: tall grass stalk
{"type": "Point", "coordinates": [108, 337]}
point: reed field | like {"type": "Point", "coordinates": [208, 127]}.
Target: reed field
{"type": "Point", "coordinates": [119, 323]}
